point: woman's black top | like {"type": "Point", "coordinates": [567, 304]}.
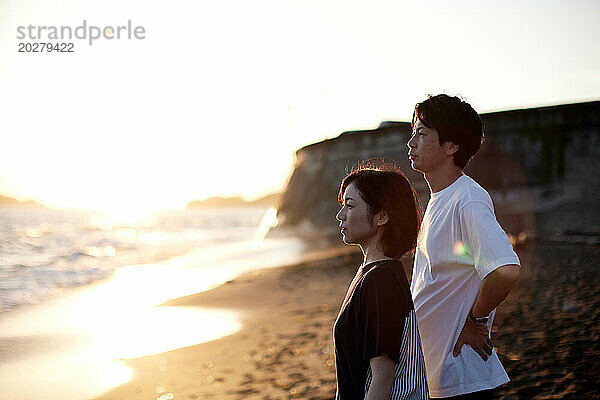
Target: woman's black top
{"type": "Point", "coordinates": [370, 323]}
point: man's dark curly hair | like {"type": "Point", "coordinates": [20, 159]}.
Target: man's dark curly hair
{"type": "Point", "coordinates": [454, 120]}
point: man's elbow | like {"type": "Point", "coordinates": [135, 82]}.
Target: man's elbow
{"type": "Point", "coordinates": [509, 274]}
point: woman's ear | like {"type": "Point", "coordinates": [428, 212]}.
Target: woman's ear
{"type": "Point", "coordinates": [381, 218]}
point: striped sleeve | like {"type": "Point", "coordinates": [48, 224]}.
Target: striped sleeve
{"type": "Point", "coordinates": [410, 380]}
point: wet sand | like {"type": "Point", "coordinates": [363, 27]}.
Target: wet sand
{"type": "Point", "coordinates": [547, 333]}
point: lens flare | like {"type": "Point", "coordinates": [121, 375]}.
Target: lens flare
{"type": "Point", "coordinates": [460, 249]}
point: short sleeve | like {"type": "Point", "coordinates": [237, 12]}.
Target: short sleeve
{"type": "Point", "coordinates": [484, 239]}
{"type": "Point", "coordinates": [384, 308]}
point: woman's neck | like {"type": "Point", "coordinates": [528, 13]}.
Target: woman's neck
{"type": "Point", "coordinates": [371, 252]}
{"type": "Point", "coordinates": [375, 258]}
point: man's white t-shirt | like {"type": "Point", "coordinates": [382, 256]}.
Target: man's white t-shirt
{"type": "Point", "coordinates": [459, 244]}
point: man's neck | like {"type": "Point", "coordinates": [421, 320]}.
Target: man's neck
{"type": "Point", "coordinates": [442, 178]}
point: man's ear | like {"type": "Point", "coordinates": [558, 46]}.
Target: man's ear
{"type": "Point", "coordinates": [381, 218]}
{"type": "Point", "coordinates": [451, 148]}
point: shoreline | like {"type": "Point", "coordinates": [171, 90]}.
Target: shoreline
{"type": "Point", "coordinates": [287, 317]}
{"type": "Point", "coordinates": [71, 347]}
{"type": "Point", "coordinates": [544, 333]}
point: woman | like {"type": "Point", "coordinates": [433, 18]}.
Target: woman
{"type": "Point", "coordinates": [377, 344]}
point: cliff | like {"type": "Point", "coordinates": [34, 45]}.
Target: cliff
{"type": "Point", "coordinates": [9, 201]}
{"type": "Point", "coordinates": [533, 161]}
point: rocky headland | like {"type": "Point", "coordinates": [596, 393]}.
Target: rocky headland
{"type": "Point", "coordinates": [538, 164]}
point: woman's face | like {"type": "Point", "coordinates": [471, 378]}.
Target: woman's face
{"type": "Point", "coordinates": [356, 223]}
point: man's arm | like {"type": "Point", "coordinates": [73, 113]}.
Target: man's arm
{"type": "Point", "coordinates": [382, 370]}
{"type": "Point", "coordinates": [494, 289]}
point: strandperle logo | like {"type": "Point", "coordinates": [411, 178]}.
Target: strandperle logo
{"type": "Point", "coordinates": [82, 32]}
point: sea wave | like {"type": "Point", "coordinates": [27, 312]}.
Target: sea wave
{"type": "Point", "coordinates": [43, 251]}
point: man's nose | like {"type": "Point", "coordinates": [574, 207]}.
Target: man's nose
{"type": "Point", "coordinates": [339, 216]}
{"type": "Point", "coordinates": [410, 144]}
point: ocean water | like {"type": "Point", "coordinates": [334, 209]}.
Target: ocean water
{"type": "Point", "coordinates": [81, 291]}
{"type": "Point", "coordinates": [44, 251]}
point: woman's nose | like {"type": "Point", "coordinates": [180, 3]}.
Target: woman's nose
{"type": "Point", "coordinates": [339, 215]}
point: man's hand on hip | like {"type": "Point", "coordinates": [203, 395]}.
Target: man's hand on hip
{"type": "Point", "coordinates": [494, 288]}
{"type": "Point", "coordinates": [478, 337]}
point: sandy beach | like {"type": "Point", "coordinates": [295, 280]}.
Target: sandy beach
{"type": "Point", "coordinates": [547, 333]}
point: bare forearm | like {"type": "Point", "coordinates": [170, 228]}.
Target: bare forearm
{"type": "Point", "coordinates": [494, 289]}
{"type": "Point", "coordinates": [382, 369]}
{"type": "Point", "coordinates": [380, 390]}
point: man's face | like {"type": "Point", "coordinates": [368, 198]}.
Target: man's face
{"type": "Point", "coordinates": [425, 152]}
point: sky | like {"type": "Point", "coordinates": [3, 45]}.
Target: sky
{"type": "Point", "coordinates": [217, 96]}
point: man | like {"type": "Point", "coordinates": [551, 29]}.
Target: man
{"type": "Point", "coordinates": [464, 262]}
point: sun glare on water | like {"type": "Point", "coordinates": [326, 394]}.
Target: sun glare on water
{"type": "Point", "coordinates": [133, 217]}
{"type": "Point", "coordinates": [269, 221]}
